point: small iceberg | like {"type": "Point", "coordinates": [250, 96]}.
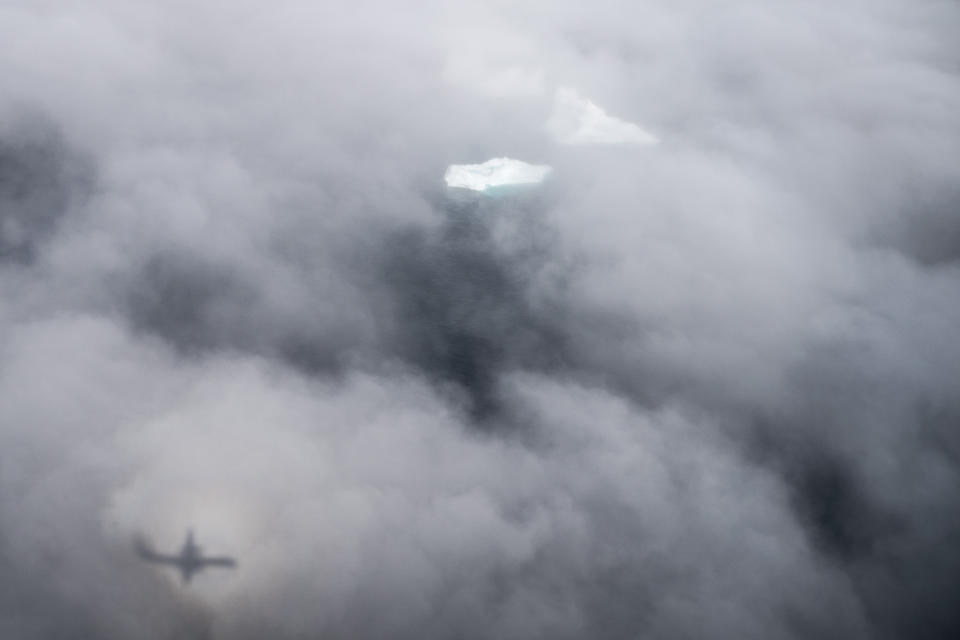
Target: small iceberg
{"type": "Point", "coordinates": [576, 120]}
{"type": "Point", "coordinates": [496, 172]}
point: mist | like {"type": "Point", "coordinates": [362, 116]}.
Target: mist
{"type": "Point", "coordinates": [700, 387]}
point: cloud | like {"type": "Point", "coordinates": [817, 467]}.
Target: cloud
{"type": "Point", "coordinates": [576, 120]}
{"type": "Point", "coordinates": [701, 388]}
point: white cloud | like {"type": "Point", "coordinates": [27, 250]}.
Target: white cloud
{"type": "Point", "coordinates": [576, 120]}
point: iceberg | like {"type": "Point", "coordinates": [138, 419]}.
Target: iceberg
{"type": "Point", "coordinates": [576, 120]}
{"type": "Point", "coordinates": [496, 172]}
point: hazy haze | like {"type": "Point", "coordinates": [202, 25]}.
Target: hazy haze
{"type": "Point", "coordinates": [708, 388]}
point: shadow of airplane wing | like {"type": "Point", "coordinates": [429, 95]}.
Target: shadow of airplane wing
{"type": "Point", "coordinates": [219, 561]}
{"type": "Point", "coordinates": [145, 552]}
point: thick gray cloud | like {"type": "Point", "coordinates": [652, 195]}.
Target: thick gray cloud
{"type": "Point", "coordinates": [705, 388]}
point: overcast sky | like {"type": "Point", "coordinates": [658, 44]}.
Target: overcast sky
{"type": "Point", "coordinates": [705, 388]}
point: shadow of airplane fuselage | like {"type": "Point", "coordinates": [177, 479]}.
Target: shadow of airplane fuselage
{"type": "Point", "coordinates": [189, 561]}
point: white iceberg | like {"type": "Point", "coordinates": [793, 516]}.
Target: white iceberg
{"type": "Point", "coordinates": [496, 172]}
{"type": "Point", "coordinates": [576, 120]}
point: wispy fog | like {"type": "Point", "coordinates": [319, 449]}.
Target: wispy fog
{"type": "Point", "coordinates": [702, 381]}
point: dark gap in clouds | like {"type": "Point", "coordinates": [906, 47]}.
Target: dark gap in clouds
{"type": "Point", "coordinates": [939, 431]}
{"type": "Point", "coordinates": [901, 558]}
{"type": "Point", "coordinates": [464, 314]}
{"type": "Point", "coordinates": [829, 500]}
{"type": "Point", "coordinates": [930, 234]}
{"type": "Point", "coordinates": [915, 594]}
{"type": "Point", "coordinates": [189, 301]}
{"type": "Point", "coordinates": [199, 305]}
{"type": "Point", "coordinates": [843, 522]}
{"type": "Point", "coordinates": [924, 226]}
{"type": "Point", "coordinates": [914, 583]}
{"type": "Point", "coordinates": [909, 586]}
{"type": "Point", "coordinates": [40, 178]}
{"type": "Point", "coordinates": [460, 311]}
{"type": "Point", "coordinates": [310, 355]}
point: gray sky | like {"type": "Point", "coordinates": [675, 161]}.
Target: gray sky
{"type": "Point", "coordinates": [700, 389]}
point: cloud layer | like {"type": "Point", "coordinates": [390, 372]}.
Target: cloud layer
{"type": "Point", "coordinates": [705, 388]}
